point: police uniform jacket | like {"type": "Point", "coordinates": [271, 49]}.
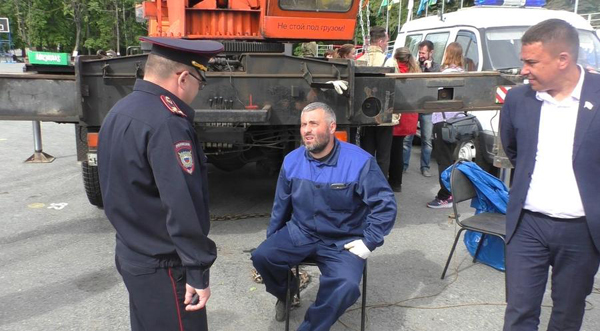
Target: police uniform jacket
{"type": "Point", "coordinates": [154, 183]}
{"type": "Point", "coordinates": [336, 200]}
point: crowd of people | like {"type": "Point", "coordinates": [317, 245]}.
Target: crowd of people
{"type": "Point", "coordinates": [334, 201]}
{"type": "Point", "coordinates": [391, 145]}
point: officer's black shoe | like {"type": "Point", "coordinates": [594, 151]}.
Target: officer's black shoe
{"type": "Point", "coordinates": [280, 311]}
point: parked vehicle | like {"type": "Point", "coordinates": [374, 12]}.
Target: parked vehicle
{"type": "Point", "coordinates": [250, 110]}
{"type": "Point", "coordinates": [490, 37]}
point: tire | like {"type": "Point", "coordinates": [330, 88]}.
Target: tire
{"type": "Point", "coordinates": [471, 150]}
{"type": "Point", "coordinates": [91, 183]}
{"type": "Point", "coordinates": [466, 150]}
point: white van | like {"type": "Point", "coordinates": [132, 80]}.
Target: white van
{"type": "Point", "coordinates": [491, 39]}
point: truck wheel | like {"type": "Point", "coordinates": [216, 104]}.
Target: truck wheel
{"type": "Point", "coordinates": [91, 183]}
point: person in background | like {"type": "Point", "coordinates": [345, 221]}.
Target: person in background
{"type": "Point", "coordinates": [443, 152]}
{"type": "Point", "coordinates": [404, 63]}
{"type": "Point", "coordinates": [309, 49]}
{"type": "Point", "coordinates": [426, 61]}
{"type": "Point", "coordinates": [329, 54]}
{"type": "Point", "coordinates": [427, 64]}
{"type": "Point", "coordinates": [346, 51]}
{"type": "Point", "coordinates": [375, 54]}
{"type": "Point", "coordinates": [377, 140]}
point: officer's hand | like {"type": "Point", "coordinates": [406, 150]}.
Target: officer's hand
{"type": "Point", "coordinates": [358, 247]}
{"type": "Point", "coordinates": [203, 296]}
{"type": "Point", "coordinates": [339, 85]}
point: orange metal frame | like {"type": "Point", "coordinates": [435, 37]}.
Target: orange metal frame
{"type": "Point", "coordinates": [246, 20]}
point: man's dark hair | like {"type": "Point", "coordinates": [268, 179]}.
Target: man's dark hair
{"type": "Point", "coordinates": [426, 43]}
{"type": "Point", "coordinates": [377, 33]}
{"type": "Point", "coordinates": [556, 33]}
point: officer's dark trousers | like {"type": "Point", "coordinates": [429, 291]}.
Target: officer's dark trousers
{"type": "Point", "coordinates": [156, 299]}
{"type": "Point", "coordinates": [341, 272]}
{"type": "Point", "coordinates": [377, 140]}
{"type": "Point", "coordinates": [541, 241]}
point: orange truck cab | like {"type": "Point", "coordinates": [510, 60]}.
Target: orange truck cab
{"type": "Point", "coordinates": [252, 19]}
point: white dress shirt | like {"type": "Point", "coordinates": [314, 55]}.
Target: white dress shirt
{"type": "Point", "coordinates": [553, 190]}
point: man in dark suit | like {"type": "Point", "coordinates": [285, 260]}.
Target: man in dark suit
{"type": "Point", "coordinates": [550, 131]}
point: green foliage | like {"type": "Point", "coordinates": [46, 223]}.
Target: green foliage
{"type": "Point", "coordinates": [53, 25]}
{"type": "Point", "coordinates": [585, 6]}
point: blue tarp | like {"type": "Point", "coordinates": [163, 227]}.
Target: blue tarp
{"type": "Point", "coordinates": [492, 196]}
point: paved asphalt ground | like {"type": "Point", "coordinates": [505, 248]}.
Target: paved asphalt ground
{"type": "Point", "coordinates": [57, 255]}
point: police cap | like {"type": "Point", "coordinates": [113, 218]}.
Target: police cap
{"type": "Point", "coordinates": [194, 53]}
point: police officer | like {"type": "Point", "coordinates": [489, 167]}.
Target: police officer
{"type": "Point", "coordinates": [154, 186]}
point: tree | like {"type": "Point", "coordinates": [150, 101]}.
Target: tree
{"type": "Point", "coordinates": [72, 25]}
{"type": "Point", "coordinates": [75, 9]}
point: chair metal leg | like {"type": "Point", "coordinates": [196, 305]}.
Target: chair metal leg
{"type": "Point", "coordinates": [478, 247]}
{"type": "Point", "coordinates": [505, 276]}
{"type": "Point", "coordinates": [451, 252]}
{"type": "Point", "coordinates": [288, 296]}
{"type": "Point", "coordinates": [363, 309]}
{"type": "Point", "coordinates": [298, 277]}
{"type": "Point", "coordinates": [288, 301]}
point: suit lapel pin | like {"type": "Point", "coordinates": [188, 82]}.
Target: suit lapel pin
{"type": "Point", "coordinates": [588, 105]}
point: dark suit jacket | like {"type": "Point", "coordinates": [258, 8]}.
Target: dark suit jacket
{"type": "Point", "coordinates": [519, 127]}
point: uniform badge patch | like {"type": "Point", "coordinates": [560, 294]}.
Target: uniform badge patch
{"type": "Point", "coordinates": [172, 106]}
{"type": "Point", "coordinates": [185, 157]}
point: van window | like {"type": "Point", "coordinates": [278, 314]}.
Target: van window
{"type": "Point", "coordinates": [468, 41]}
{"type": "Point", "coordinates": [504, 48]}
{"type": "Point", "coordinates": [412, 42]}
{"type": "Point", "coordinates": [439, 41]}
{"type": "Point", "coordinates": [589, 50]}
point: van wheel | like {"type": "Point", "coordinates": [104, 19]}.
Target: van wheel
{"type": "Point", "coordinates": [470, 150]}
{"type": "Point", "coordinates": [91, 183]}
{"type": "Point", "coordinates": [466, 150]}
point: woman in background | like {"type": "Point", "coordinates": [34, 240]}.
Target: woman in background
{"type": "Point", "coordinates": [405, 62]}
{"type": "Point", "coordinates": [346, 51]}
{"type": "Point", "coordinates": [443, 152]}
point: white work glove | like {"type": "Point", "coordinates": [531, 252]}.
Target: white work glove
{"type": "Point", "coordinates": [358, 248]}
{"type": "Point", "coordinates": [339, 85]}
{"type": "Point", "coordinates": [428, 64]}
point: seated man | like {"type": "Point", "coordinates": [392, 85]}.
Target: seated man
{"type": "Point", "coordinates": [333, 206]}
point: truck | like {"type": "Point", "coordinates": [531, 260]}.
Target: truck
{"type": "Point", "coordinates": [250, 109]}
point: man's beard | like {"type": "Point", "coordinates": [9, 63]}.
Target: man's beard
{"type": "Point", "coordinates": [319, 144]}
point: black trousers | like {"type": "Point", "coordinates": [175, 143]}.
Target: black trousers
{"type": "Point", "coordinates": [443, 153]}
{"type": "Point", "coordinates": [396, 161]}
{"type": "Point", "coordinates": [377, 140]}
{"type": "Point", "coordinates": [156, 299]}
{"type": "Point", "coordinates": [539, 242]}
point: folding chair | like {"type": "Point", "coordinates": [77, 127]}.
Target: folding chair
{"type": "Point", "coordinates": [486, 223]}
{"type": "Point", "coordinates": [288, 296]}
